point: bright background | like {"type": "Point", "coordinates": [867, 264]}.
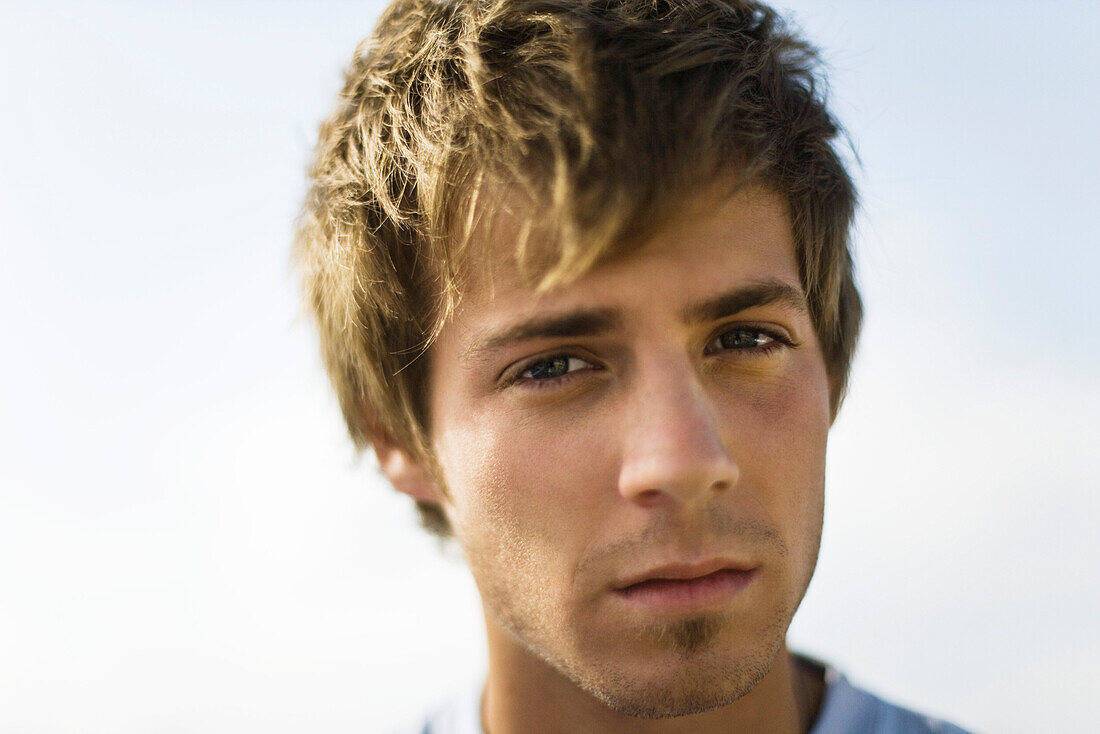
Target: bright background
{"type": "Point", "coordinates": [187, 542]}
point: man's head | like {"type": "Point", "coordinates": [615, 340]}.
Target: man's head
{"type": "Point", "coordinates": [582, 278]}
{"type": "Point", "coordinates": [597, 120]}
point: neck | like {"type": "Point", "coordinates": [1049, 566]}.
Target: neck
{"type": "Point", "coordinates": [525, 695]}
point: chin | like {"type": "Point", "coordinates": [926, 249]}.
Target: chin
{"type": "Point", "coordinates": [682, 692]}
{"type": "Point", "coordinates": [696, 667]}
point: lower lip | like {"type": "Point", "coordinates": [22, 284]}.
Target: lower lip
{"type": "Point", "coordinates": [685, 595]}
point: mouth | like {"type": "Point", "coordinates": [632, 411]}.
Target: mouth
{"type": "Point", "coordinates": [686, 588]}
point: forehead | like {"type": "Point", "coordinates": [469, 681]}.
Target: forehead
{"type": "Point", "coordinates": [711, 243]}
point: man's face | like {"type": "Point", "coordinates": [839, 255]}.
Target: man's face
{"type": "Point", "coordinates": [635, 461]}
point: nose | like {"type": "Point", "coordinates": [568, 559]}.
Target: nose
{"type": "Point", "coordinates": [676, 445]}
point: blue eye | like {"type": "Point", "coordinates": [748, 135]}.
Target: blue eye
{"type": "Point", "coordinates": [747, 341]}
{"type": "Point", "coordinates": [553, 367]}
{"type": "Point", "coordinates": [744, 339]}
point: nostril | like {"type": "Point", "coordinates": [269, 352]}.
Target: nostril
{"type": "Point", "coordinates": [649, 497]}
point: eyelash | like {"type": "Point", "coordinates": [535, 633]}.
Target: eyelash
{"type": "Point", "coordinates": [777, 341]}
{"type": "Point", "coordinates": [537, 383]}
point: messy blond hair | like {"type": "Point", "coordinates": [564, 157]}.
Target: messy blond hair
{"type": "Point", "coordinates": [603, 115]}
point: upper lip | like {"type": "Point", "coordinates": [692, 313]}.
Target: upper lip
{"type": "Point", "coordinates": [685, 571]}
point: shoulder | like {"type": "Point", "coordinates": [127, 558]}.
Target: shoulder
{"type": "Point", "coordinates": [847, 709]}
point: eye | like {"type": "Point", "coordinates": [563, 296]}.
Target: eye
{"type": "Point", "coordinates": [745, 339]}
{"type": "Point", "coordinates": [552, 367]}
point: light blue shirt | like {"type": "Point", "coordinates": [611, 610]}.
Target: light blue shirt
{"type": "Point", "coordinates": [845, 709]}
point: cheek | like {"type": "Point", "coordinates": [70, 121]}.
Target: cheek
{"type": "Point", "coordinates": [521, 490]}
{"type": "Point", "coordinates": [784, 431]}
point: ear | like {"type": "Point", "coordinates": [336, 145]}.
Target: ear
{"type": "Point", "coordinates": [405, 472]}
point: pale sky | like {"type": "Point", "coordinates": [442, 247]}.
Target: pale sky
{"type": "Point", "coordinates": [187, 542]}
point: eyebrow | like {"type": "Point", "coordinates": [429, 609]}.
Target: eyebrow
{"type": "Point", "coordinates": [764, 293]}
{"type": "Point", "coordinates": [596, 322]}
{"type": "Point", "coordinates": [587, 322]}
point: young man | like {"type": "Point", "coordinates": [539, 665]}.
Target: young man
{"type": "Point", "coordinates": [581, 274]}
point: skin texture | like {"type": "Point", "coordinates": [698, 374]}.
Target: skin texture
{"type": "Point", "coordinates": [637, 433]}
